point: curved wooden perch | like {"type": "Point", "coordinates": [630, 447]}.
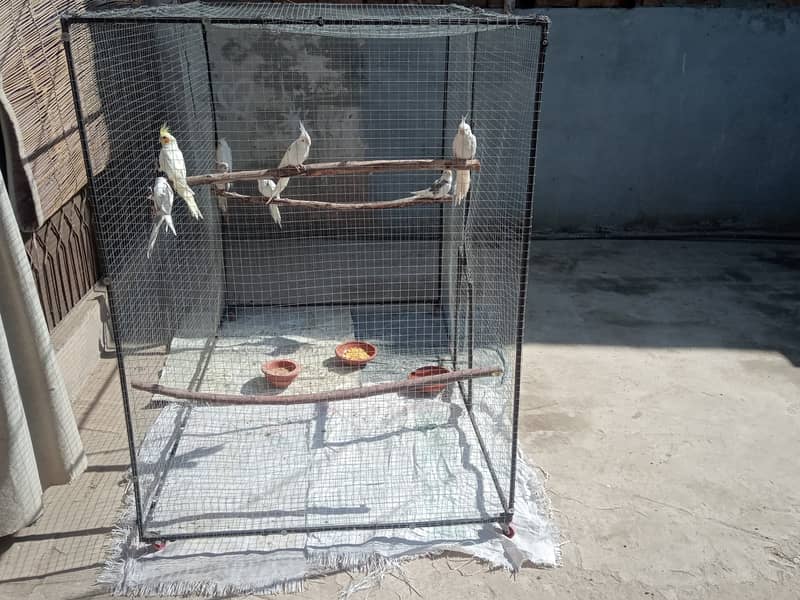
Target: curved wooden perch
{"type": "Point", "coordinates": [316, 204]}
{"type": "Point", "coordinates": [347, 167]}
{"type": "Point", "coordinates": [332, 396]}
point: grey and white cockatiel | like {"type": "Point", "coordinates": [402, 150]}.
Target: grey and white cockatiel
{"type": "Point", "coordinates": [464, 147]}
{"type": "Point", "coordinates": [224, 161]}
{"type": "Point", "coordinates": [296, 155]}
{"type": "Point", "coordinates": [170, 160]}
{"type": "Point", "coordinates": [439, 188]}
{"type": "Point", "coordinates": [267, 187]}
{"type": "Point", "coordinates": [162, 198]}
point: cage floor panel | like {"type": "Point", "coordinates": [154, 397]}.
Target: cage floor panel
{"type": "Point", "coordinates": [389, 458]}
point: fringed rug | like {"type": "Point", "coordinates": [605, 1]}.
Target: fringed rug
{"type": "Point", "coordinates": [384, 459]}
{"type": "Point", "coordinates": [281, 563]}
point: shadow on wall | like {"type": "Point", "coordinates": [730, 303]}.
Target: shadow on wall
{"type": "Point", "coordinates": [122, 116]}
{"type": "Point", "coordinates": [670, 119]}
{"type": "Point", "coordinates": [666, 294]}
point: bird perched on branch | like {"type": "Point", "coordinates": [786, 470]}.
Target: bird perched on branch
{"type": "Point", "coordinates": [267, 187]}
{"type": "Point", "coordinates": [439, 188]}
{"type": "Point", "coordinates": [170, 160]}
{"type": "Point", "coordinates": [295, 156]}
{"type": "Point", "coordinates": [464, 147]}
{"type": "Point", "coordinates": [162, 198]}
{"type": "Point", "coordinates": [224, 165]}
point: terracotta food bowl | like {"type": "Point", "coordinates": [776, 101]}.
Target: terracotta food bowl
{"type": "Point", "coordinates": [352, 353]}
{"type": "Point", "coordinates": [427, 372]}
{"type": "Point", "coordinates": [280, 373]}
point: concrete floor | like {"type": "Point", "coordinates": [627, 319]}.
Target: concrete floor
{"type": "Point", "coordinates": [661, 393]}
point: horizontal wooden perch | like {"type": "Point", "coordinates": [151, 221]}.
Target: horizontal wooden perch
{"type": "Point", "coordinates": [332, 396]}
{"type": "Point", "coordinates": [318, 205]}
{"type": "Point", "coordinates": [338, 168]}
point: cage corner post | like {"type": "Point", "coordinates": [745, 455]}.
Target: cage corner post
{"type": "Point", "coordinates": [445, 86]}
{"type": "Point", "coordinates": [544, 41]}
{"type": "Point", "coordinates": [66, 22]}
{"type": "Point", "coordinates": [223, 217]}
{"type": "Point", "coordinates": [470, 320]}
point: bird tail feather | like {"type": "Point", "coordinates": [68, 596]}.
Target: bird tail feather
{"type": "Point", "coordinates": [169, 225]}
{"type": "Point", "coordinates": [154, 235]}
{"type": "Point", "coordinates": [185, 192]}
{"type": "Point", "coordinates": [276, 214]}
{"type": "Point", "coordinates": [281, 185]}
{"type": "Point", "coordinates": [462, 186]}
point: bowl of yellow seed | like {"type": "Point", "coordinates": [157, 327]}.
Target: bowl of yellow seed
{"type": "Point", "coordinates": [356, 353]}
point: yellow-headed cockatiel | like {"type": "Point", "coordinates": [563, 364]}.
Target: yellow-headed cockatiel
{"type": "Point", "coordinates": [170, 160]}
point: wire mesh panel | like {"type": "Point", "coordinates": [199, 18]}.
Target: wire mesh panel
{"type": "Point", "coordinates": [348, 250]}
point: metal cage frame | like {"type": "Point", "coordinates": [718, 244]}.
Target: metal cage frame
{"type": "Point", "coordinates": [473, 17]}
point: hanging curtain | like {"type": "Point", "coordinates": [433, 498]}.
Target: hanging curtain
{"type": "Point", "coordinates": [39, 441]}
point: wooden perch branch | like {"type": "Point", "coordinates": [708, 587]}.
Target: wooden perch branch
{"type": "Point", "coordinates": [338, 168]}
{"type": "Point", "coordinates": [315, 204]}
{"type": "Point", "coordinates": [332, 396]}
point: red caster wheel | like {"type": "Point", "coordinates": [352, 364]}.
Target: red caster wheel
{"type": "Point", "coordinates": [509, 531]}
{"type": "Point", "coordinates": [160, 545]}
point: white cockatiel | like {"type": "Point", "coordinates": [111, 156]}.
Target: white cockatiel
{"type": "Point", "coordinates": [225, 165]}
{"type": "Point", "coordinates": [439, 188]}
{"type": "Point", "coordinates": [170, 160]}
{"type": "Point", "coordinates": [296, 155]}
{"type": "Point", "coordinates": [464, 147]}
{"type": "Point", "coordinates": [162, 198]}
{"type": "Point", "coordinates": [267, 187]}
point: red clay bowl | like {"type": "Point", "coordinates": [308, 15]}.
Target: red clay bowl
{"type": "Point", "coordinates": [371, 350]}
{"type": "Point", "coordinates": [427, 372]}
{"type": "Point", "coordinates": [280, 373]}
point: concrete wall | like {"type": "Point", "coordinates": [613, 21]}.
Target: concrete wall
{"type": "Point", "coordinates": [670, 119]}
{"type": "Point", "coordinates": [82, 338]}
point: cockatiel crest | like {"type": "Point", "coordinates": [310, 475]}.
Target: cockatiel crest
{"type": "Point", "coordinates": [304, 134]}
{"type": "Point", "coordinates": [164, 135]}
{"type": "Point", "coordinates": [464, 126]}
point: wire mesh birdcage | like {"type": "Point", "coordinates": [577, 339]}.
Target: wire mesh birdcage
{"type": "Point", "coordinates": [364, 250]}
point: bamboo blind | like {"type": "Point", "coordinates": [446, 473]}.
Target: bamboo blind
{"type": "Point", "coordinates": [38, 101]}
